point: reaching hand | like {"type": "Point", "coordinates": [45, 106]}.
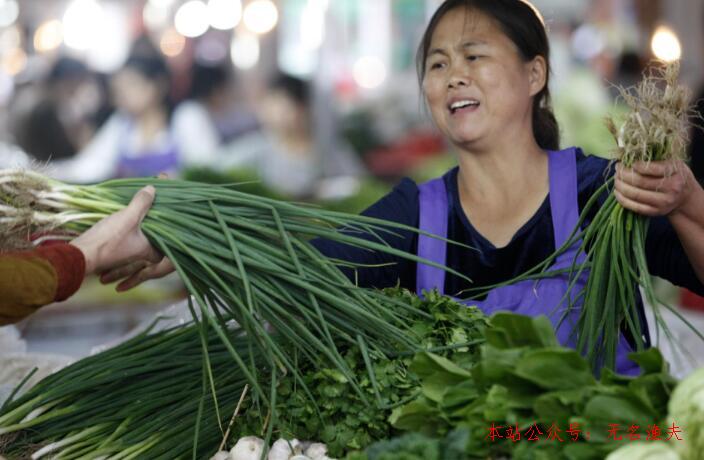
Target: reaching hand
{"type": "Point", "coordinates": [135, 273]}
{"type": "Point", "coordinates": [117, 239]}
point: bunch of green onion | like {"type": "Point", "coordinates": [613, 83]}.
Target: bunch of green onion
{"type": "Point", "coordinates": [655, 129]}
{"type": "Point", "coordinates": [145, 398]}
{"type": "Point", "coordinates": [245, 260]}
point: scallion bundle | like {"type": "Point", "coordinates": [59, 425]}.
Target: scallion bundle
{"type": "Point", "coordinates": [145, 398]}
{"type": "Point", "coordinates": [242, 258]}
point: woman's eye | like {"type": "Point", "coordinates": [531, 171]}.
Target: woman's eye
{"type": "Point", "coordinates": [436, 65]}
{"type": "Point", "coordinates": [472, 57]}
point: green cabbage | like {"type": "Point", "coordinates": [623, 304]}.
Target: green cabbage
{"type": "Point", "coordinates": [645, 451]}
{"type": "Point", "coordinates": [686, 410]}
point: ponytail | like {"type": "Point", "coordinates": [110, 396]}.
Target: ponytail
{"type": "Point", "coordinates": [545, 127]}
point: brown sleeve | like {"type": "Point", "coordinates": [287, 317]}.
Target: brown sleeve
{"type": "Point", "coordinates": [70, 266]}
{"type": "Point", "coordinates": [32, 279]}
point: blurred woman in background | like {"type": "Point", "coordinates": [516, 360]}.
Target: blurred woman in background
{"type": "Point", "coordinates": [284, 153]}
{"type": "Point", "coordinates": [55, 117]}
{"type": "Point", "coordinates": [211, 116]}
{"type": "Point", "coordinates": [136, 140]}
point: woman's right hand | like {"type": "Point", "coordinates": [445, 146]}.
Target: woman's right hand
{"type": "Point", "coordinates": [135, 273]}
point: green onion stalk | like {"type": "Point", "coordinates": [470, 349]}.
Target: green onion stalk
{"type": "Point", "coordinates": [145, 398]}
{"type": "Point", "coordinates": [655, 129]}
{"type": "Point", "coordinates": [244, 259]}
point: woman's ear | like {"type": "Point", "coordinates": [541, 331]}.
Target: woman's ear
{"type": "Point", "coordinates": [537, 74]}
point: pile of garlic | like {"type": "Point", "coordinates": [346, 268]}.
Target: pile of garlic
{"type": "Point", "coordinates": [251, 448]}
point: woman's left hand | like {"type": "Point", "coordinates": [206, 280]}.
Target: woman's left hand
{"type": "Point", "coordinates": [656, 188]}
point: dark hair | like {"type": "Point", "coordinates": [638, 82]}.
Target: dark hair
{"type": "Point", "coordinates": [153, 67]}
{"type": "Point", "coordinates": [297, 89]}
{"type": "Point", "coordinates": [522, 24]}
{"type": "Point", "coordinates": [67, 68]}
{"type": "Point", "coordinates": [206, 79]}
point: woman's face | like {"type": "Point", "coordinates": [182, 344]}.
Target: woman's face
{"type": "Point", "coordinates": [280, 113]}
{"type": "Point", "coordinates": [477, 86]}
{"type": "Point", "coordinates": [134, 93]}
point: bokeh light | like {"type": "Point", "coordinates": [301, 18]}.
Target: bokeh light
{"type": "Point", "coordinates": [172, 43]}
{"type": "Point", "coordinates": [244, 50]}
{"type": "Point", "coordinates": [48, 36]}
{"type": "Point", "coordinates": [191, 19]}
{"type": "Point", "coordinates": [260, 16]}
{"type": "Point", "coordinates": [369, 72]}
{"type": "Point", "coordinates": [665, 44]}
{"type": "Point", "coordinates": [224, 14]}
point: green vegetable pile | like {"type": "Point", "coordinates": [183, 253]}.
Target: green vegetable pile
{"type": "Point", "coordinates": [524, 379]}
{"type": "Point", "coordinates": [346, 422]}
{"type": "Point", "coordinates": [151, 397]}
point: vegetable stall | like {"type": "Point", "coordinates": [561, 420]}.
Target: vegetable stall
{"type": "Point", "coordinates": [285, 357]}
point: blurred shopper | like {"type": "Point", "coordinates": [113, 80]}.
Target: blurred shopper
{"type": "Point", "coordinates": [136, 140]}
{"type": "Point", "coordinates": [285, 153]}
{"type": "Point", "coordinates": [209, 118]}
{"type": "Point", "coordinates": [56, 117]}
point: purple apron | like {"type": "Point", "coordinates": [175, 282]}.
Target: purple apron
{"type": "Point", "coordinates": [149, 162]}
{"type": "Point", "coordinates": [530, 297]}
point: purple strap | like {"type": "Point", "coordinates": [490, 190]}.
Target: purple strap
{"type": "Point", "coordinates": [433, 219]}
{"type": "Point", "coordinates": [433, 202]}
{"type": "Point", "coordinates": [564, 201]}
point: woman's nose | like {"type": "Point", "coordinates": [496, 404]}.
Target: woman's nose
{"type": "Point", "coordinates": [458, 77]}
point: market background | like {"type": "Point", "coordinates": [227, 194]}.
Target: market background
{"type": "Point", "coordinates": [358, 58]}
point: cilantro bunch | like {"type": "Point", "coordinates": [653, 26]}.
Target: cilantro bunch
{"type": "Point", "coordinates": [336, 415]}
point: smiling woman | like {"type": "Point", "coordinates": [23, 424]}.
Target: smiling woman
{"type": "Point", "coordinates": [484, 68]}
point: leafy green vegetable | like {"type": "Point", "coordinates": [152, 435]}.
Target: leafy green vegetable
{"type": "Point", "coordinates": [524, 379]}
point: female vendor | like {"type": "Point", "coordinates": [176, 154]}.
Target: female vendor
{"type": "Point", "coordinates": [514, 197]}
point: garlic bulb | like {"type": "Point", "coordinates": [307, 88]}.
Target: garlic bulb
{"type": "Point", "coordinates": [247, 448]}
{"type": "Point", "coordinates": [317, 451]}
{"type": "Point", "coordinates": [284, 449]}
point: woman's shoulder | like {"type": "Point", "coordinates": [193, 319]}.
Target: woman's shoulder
{"type": "Point", "coordinates": [592, 168]}
{"type": "Point", "coordinates": [399, 205]}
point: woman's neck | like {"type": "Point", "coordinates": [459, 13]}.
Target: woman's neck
{"type": "Point", "coordinates": [500, 190]}
{"type": "Point", "coordinates": [496, 174]}
{"type": "Point", "coordinates": [296, 140]}
{"type": "Point", "coordinates": [151, 124]}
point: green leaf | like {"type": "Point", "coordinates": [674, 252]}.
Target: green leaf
{"type": "Point", "coordinates": [495, 364]}
{"type": "Point", "coordinates": [437, 374]}
{"type": "Point", "coordinates": [454, 446]}
{"type": "Point", "coordinates": [555, 369]}
{"type": "Point", "coordinates": [654, 390]}
{"type": "Point", "coordinates": [520, 330]}
{"type": "Point", "coordinates": [418, 416]}
{"type": "Point", "coordinates": [650, 361]}
{"type": "Point", "coordinates": [609, 377]}
{"type": "Point", "coordinates": [584, 451]}
{"type": "Point", "coordinates": [459, 395]}
{"type": "Point", "coordinates": [550, 408]}
{"type": "Point", "coordinates": [622, 408]}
